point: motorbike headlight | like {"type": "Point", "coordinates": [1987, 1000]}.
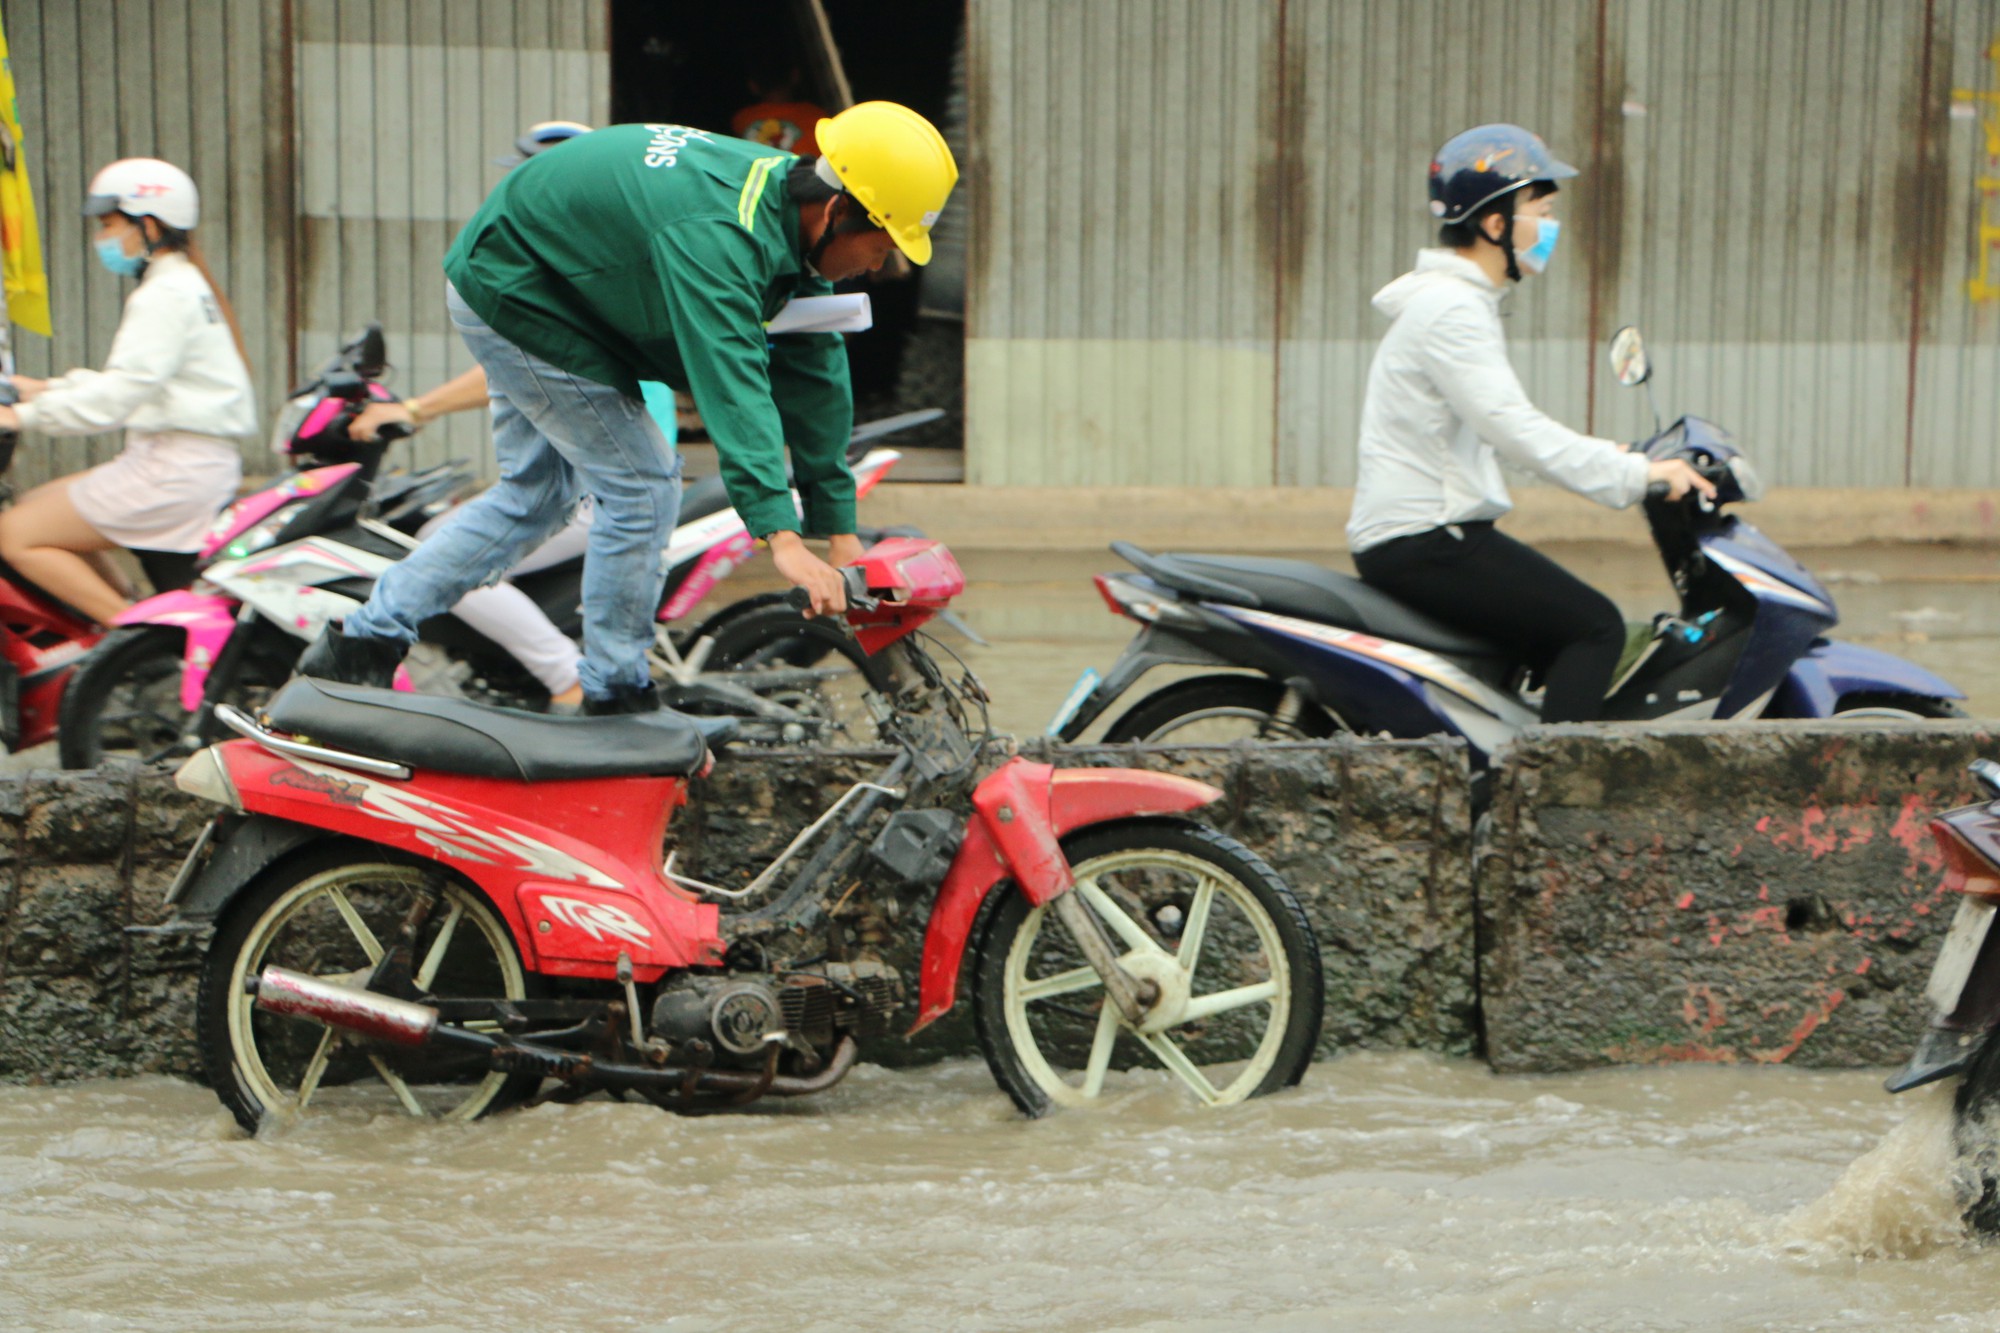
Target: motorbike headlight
{"type": "Point", "coordinates": [266, 533]}
{"type": "Point", "coordinates": [1747, 479]}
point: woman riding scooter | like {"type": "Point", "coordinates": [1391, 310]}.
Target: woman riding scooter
{"type": "Point", "coordinates": [177, 380]}
{"type": "Point", "coordinates": [1442, 409]}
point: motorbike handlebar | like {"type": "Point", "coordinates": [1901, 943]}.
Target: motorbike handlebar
{"type": "Point", "coordinates": [856, 587]}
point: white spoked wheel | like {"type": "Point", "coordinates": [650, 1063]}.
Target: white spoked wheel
{"type": "Point", "coordinates": [1200, 917]}
{"type": "Point", "coordinates": [335, 918]}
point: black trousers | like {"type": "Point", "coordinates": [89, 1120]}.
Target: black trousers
{"type": "Point", "coordinates": [1486, 583]}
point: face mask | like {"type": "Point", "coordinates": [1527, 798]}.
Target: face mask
{"type": "Point", "coordinates": [1536, 258]}
{"type": "Point", "coordinates": [111, 254]}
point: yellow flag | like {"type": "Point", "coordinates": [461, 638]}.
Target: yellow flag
{"type": "Point", "coordinates": [20, 244]}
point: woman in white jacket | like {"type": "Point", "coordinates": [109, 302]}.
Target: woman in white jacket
{"type": "Point", "coordinates": [177, 380]}
{"type": "Point", "coordinates": [1443, 407]}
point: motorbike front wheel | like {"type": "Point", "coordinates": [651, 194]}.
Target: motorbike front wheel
{"type": "Point", "coordinates": [333, 912]}
{"type": "Point", "coordinates": [1199, 915]}
{"type": "Point", "coordinates": [1976, 1130]}
{"type": "Point", "coordinates": [812, 666]}
{"type": "Point", "coordinates": [1219, 709]}
{"type": "Point", "coordinates": [124, 702]}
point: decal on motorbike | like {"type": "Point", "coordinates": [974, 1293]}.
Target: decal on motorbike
{"type": "Point", "coordinates": [598, 920]}
{"type": "Point", "coordinates": [461, 835]}
{"type": "Point", "coordinates": [340, 791]}
{"type": "Point", "coordinates": [1427, 666]}
{"type": "Point", "coordinates": [1757, 581]}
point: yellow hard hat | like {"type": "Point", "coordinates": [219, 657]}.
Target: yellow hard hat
{"type": "Point", "coordinates": [896, 164]}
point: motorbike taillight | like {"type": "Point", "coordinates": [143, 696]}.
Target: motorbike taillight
{"type": "Point", "coordinates": [1966, 868]}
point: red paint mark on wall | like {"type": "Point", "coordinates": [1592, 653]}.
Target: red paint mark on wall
{"type": "Point", "coordinates": [1807, 1026]}
{"type": "Point", "coordinates": [1685, 901]}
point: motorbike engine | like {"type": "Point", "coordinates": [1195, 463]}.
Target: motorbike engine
{"type": "Point", "coordinates": [738, 1011]}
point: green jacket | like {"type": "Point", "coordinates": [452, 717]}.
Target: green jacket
{"type": "Point", "coordinates": [656, 252]}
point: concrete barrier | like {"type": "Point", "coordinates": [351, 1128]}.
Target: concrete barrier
{"type": "Point", "coordinates": [1753, 894]}
{"type": "Point", "coordinates": [1373, 836]}
{"type": "Point", "coordinates": [1716, 892]}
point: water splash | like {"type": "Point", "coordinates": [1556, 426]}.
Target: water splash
{"type": "Point", "coordinates": [1898, 1200]}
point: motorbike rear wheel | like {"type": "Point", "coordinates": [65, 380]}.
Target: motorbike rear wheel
{"type": "Point", "coordinates": [1218, 709]}
{"type": "Point", "coordinates": [1200, 915]}
{"type": "Point", "coordinates": [331, 912]}
{"type": "Point", "coordinates": [1896, 707]}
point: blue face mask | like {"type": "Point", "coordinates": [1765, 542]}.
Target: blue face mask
{"type": "Point", "coordinates": [111, 254]}
{"type": "Point", "coordinates": [1536, 258]}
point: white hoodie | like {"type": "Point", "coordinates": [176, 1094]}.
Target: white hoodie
{"type": "Point", "coordinates": [1444, 406]}
{"type": "Point", "coordinates": [173, 367]}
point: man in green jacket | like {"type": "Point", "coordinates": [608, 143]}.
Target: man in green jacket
{"type": "Point", "coordinates": [657, 252]}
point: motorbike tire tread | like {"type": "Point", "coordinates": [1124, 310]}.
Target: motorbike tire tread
{"type": "Point", "coordinates": [1005, 909]}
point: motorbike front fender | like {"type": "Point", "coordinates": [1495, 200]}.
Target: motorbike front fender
{"type": "Point", "coordinates": [1831, 669]}
{"type": "Point", "coordinates": [207, 620]}
{"type": "Point", "coordinates": [1020, 813]}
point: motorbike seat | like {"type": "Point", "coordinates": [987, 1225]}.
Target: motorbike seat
{"type": "Point", "coordinates": [1311, 592]}
{"type": "Point", "coordinates": [478, 740]}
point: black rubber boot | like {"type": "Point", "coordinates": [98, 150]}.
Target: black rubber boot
{"type": "Point", "coordinates": [643, 700]}
{"type": "Point", "coordinates": [333, 656]}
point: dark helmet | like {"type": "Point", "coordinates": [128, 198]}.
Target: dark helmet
{"type": "Point", "coordinates": [1477, 167]}
{"type": "Point", "coordinates": [547, 134]}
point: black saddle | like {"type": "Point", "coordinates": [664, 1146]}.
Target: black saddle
{"type": "Point", "coordinates": [459, 736]}
{"type": "Point", "coordinates": [1310, 592]}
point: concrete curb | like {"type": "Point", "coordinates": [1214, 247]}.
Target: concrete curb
{"type": "Point", "coordinates": [1756, 894]}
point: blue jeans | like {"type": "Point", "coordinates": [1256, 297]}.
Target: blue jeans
{"type": "Point", "coordinates": [556, 435]}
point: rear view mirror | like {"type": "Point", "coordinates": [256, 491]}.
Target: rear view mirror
{"type": "Point", "coordinates": [1628, 357]}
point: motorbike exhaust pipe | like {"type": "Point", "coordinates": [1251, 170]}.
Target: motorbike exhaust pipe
{"type": "Point", "coordinates": [282, 991]}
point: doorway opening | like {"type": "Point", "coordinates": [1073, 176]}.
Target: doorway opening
{"type": "Point", "coordinates": [764, 68]}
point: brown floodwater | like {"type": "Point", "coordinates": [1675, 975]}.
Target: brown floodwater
{"type": "Point", "coordinates": [1392, 1191]}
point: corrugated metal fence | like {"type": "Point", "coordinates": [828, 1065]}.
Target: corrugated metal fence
{"type": "Point", "coordinates": [1184, 207]}
{"type": "Point", "coordinates": [338, 146]}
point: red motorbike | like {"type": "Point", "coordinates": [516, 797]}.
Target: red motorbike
{"type": "Point", "coordinates": [1963, 1041]}
{"type": "Point", "coordinates": [434, 904]}
{"type": "Point", "coordinates": [42, 639]}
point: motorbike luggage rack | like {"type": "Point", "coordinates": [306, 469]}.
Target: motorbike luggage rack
{"type": "Point", "coordinates": [244, 725]}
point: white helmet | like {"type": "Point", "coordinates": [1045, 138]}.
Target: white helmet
{"type": "Point", "coordinates": [144, 187]}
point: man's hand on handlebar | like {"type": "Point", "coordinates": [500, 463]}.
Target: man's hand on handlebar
{"type": "Point", "coordinates": [368, 423]}
{"type": "Point", "coordinates": [1679, 477]}
{"type": "Point", "coordinates": [819, 581]}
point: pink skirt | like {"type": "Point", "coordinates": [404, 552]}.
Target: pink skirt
{"type": "Point", "coordinates": [162, 492]}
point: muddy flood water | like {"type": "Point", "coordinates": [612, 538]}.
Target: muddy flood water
{"type": "Point", "coordinates": [1392, 1191]}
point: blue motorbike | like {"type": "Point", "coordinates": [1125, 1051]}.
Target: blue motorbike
{"type": "Point", "coordinates": [1291, 650]}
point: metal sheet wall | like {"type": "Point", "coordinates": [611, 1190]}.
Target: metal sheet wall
{"type": "Point", "coordinates": [1122, 171]}
{"type": "Point", "coordinates": [338, 145]}
{"type": "Point", "coordinates": [1774, 189]}
{"type": "Point", "coordinates": [191, 81]}
{"type": "Point", "coordinates": [402, 107]}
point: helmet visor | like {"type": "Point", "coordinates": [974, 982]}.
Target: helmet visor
{"type": "Point", "coordinates": [97, 205]}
